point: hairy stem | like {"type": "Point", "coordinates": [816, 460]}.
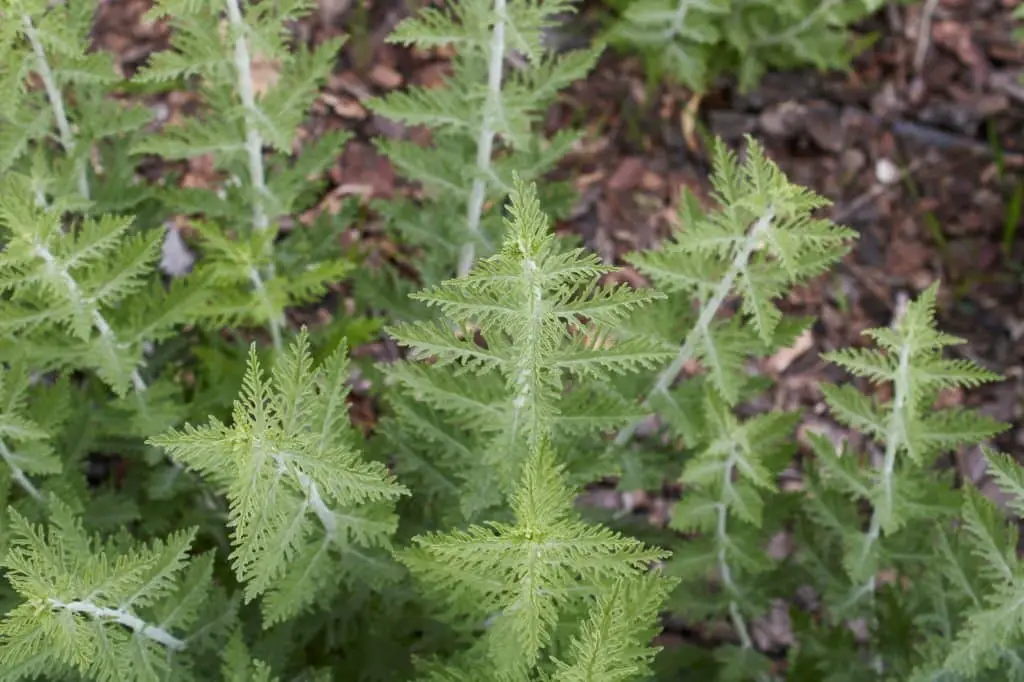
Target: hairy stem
{"type": "Point", "coordinates": [17, 474]}
{"type": "Point", "coordinates": [56, 99]}
{"type": "Point", "coordinates": [313, 499]}
{"type": "Point", "coordinates": [129, 620]}
{"type": "Point", "coordinates": [894, 438]}
{"type": "Point", "coordinates": [98, 321]}
{"type": "Point", "coordinates": [254, 151]}
{"type": "Point", "coordinates": [707, 315]}
{"type": "Point", "coordinates": [485, 140]}
{"type": "Point", "coordinates": [724, 571]}
{"type": "Point", "coordinates": [527, 382]}
{"type": "Point", "coordinates": [253, 139]}
{"type": "Point", "coordinates": [320, 508]}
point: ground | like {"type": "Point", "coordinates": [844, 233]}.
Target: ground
{"type": "Point", "coordinates": [920, 147]}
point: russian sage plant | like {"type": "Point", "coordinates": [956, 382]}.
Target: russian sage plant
{"type": "Point", "coordinates": [179, 501]}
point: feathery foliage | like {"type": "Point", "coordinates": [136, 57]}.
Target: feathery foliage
{"type": "Point", "coordinates": [913, 431]}
{"type": "Point", "coordinates": [757, 244]}
{"type": "Point", "coordinates": [909, 531]}
{"type": "Point", "coordinates": [482, 121]}
{"type": "Point", "coordinates": [696, 41]}
{"type": "Point", "coordinates": [613, 641]}
{"type": "Point", "coordinates": [443, 542]}
{"type": "Point", "coordinates": [28, 416]}
{"type": "Point", "coordinates": [522, 578]}
{"type": "Point", "coordinates": [299, 493]}
{"type": "Point", "coordinates": [56, 87]}
{"type": "Point", "coordinates": [992, 625]}
{"type": "Point", "coordinates": [255, 274]}
{"type": "Point", "coordinates": [760, 243]}
{"type": "Point", "coordinates": [109, 609]}
{"type": "Point", "coordinates": [530, 322]}
{"type": "Point", "coordinates": [85, 299]}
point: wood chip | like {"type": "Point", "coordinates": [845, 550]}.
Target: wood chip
{"type": "Point", "coordinates": [785, 357]}
{"type": "Point", "coordinates": [386, 77]}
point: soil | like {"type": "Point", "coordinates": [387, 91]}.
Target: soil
{"type": "Point", "coordinates": [920, 147]}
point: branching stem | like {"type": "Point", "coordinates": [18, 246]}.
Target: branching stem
{"type": "Point", "coordinates": [17, 474]}
{"type": "Point", "coordinates": [485, 140]}
{"type": "Point", "coordinates": [313, 499]}
{"type": "Point", "coordinates": [253, 138]}
{"type": "Point", "coordinates": [707, 315]}
{"type": "Point", "coordinates": [527, 383]}
{"type": "Point", "coordinates": [724, 571]}
{"type": "Point", "coordinates": [83, 303]}
{"type": "Point", "coordinates": [894, 438]}
{"type": "Point", "coordinates": [129, 620]}
{"type": "Point", "coordinates": [56, 99]}
{"type": "Point", "coordinates": [739, 623]}
{"type": "Point", "coordinates": [254, 152]}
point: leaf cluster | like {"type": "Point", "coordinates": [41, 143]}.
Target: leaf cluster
{"type": "Point", "coordinates": [256, 84]}
{"type": "Point", "coordinates": [529, 323]}
{"type": "Point", "coordinates": [57, 113]}
{"type": "Point", "coordinates": [181, 502]}
{"type": "Point", "coordinates": [482, 121]}
{"type": "Point", "coordinates": [696, 41]}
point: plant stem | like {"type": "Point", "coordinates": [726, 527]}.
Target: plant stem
{"type": "Point", "coordinates": [724, 571]}
{"type": "Point", "coordinates": [253, 139]}
{"type": "Point", "coordinates": [17, 474]}
{"type": "Point", "coordinates": [314, 501]}
{"type": "Point", "coordinates": [130, 621]}
{"type": "Point", "coordinates": [78, 300]}
{"type": "Point", "coordinates": [894, 438]}
{"type": "Point", "coordinates": [485, 140]}
{"type": "Point", "coordinates": [707, 314]}
{"type": "Point", "coordinates": [739, 623]}
{"type": "Point", "coordinates": [53, 94]}
{"type": "Point", "coordinates": [527, 381]}
{"type": "Point", "coordinates": [254, 151]}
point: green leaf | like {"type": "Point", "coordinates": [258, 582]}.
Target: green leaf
{"type": "Point", "coordinates": [299, 492]}
{"type": "Point", "coordinates": [614, 641]}
{"type": "Point", "coordinates": [524, 574]}
{"type": "Point", "coordinates": [124, 611]}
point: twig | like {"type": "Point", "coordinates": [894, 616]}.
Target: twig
{"type": "Point", "coordinates": [924, 34]}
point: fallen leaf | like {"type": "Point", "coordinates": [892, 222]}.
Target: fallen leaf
{"type": "Point", "coordinates": [265, 74]}
{"type": "Point", "coordinates": [386, 77]}
{"type": "Point", "coordinates": [785, 357]}
{"type": "Point", "coordinates": [628, 175]}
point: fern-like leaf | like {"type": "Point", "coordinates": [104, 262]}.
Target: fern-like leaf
{"type": "Point", "coordinates": [299, 493]}
{"type": "Point", "coordinates": [111, 611]}
{"type": "Point", "coordinates": [522, 576]}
